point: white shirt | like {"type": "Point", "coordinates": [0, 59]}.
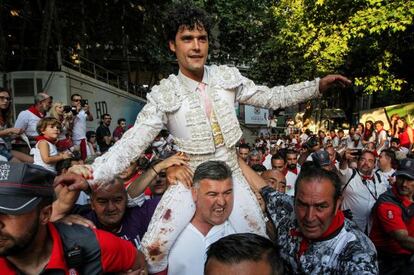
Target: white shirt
{"type": "Point", "coordinates": [28, 121]}
{"type": "Point", "coordinates": [38, 158]}
{"type": "Point", "coordinates": [79, 126]}
{"type": "Point", "coordinates": [268, 162]}
{"type": "Point", "coordinates": [380, 137]}
{"type": "Point", "coordinates": [290, 182]}
{"type": "Point", "coordinates": [303, 138]}
{"type": "Point", "coordinates": [360, 197]}
{"type": "Point", "coordinates": [386, 175]}
{"type": "Point", "coordinates": [335, 141]}
{"type": "Point", "coordinates": [188, 254]}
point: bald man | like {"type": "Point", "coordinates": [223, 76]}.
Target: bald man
{"type": "Point", "coordinates": [275, 179]}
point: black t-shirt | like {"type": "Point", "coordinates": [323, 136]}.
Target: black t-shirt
{"type": "Point", "coordinates": [101, 132]}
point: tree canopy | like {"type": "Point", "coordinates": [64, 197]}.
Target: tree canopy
{"type": "Point", "coordinates": [275, 41]}
{"type": "Point", "coordinates": [368, 40]}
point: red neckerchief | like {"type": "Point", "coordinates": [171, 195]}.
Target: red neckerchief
{"type": "Point", "coordinates": [364, 177]}
{"type": "Point", "coordinates": [285, 171]}
{"type": "Point", "coordinates": [336, 224]}
{"type": "Point", "coordinates": [295, 171]}
{"type": "Point", "coordinates": [367, 134]}
{"type": "Point", "coordinates": [35, 111]}
{"type": "Point", "coordinates": [148, 156]}
{"type": "Point", "coordinates": [42, 137]}
{"type": "Point", "coordinates": [382, 129]}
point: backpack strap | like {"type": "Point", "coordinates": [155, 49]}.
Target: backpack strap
{"type": "Point", "coordinates": [378, 175]}
{"type": "Point", "coordinates": [81, 248]}
{"type": "Point", "coordinates": [347, 183]}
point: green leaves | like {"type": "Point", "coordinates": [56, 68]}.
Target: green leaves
{"type": "Point", "coordinates": [358, 38]}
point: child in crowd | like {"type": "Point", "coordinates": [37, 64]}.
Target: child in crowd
{"type": "Point", "coordinates": [45, 151]}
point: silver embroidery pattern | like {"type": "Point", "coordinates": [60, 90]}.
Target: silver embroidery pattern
{"type": "Point", "coordinates": [147, 126]}
{"type": "Point", "coordinates": [279, 96]}
{"type": "Point", "coordinates": [226, 77]}
{"type": "Point", "coordinates": [167, 97]}
{"type": "Point", "coordinates": [196, 121]}
{"type": "Point", "coordinates": [168, 94]}
{"type": "Point", "coordinates": [226, 117]}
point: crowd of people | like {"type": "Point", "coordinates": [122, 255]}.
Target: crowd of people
{"type": "Point", "coordinates": [373, 170]}
{"type": "Point", "coordinates": [181, 192]}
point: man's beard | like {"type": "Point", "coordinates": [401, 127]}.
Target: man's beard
{"type": "Point", "coordinates": [20, 245]}
{"type": "Point", "coordinates": [291, 166]}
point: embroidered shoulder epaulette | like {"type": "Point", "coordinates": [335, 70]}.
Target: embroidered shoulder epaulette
{"type": "Point", "coordinates": [167, 95]}
{"type": "Point", "coordinates": [226, 77]}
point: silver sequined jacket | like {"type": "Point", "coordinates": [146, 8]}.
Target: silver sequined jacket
{"type": "Point", "coordinates": [174, 106]}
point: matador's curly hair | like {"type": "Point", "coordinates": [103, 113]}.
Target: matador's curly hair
{"type": "Point", "coordinates": [186, 15]}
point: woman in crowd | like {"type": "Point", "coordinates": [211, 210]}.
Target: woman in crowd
{"type": "Point", "coordinates": [65, 117]}
{"type": "Point", "coordinates": [392, 132]}
{"type": "Point", "coordinates": [405, 133]}
{"type": "Point", "coordinates": [7, 133]}
{"type": "Point", "coordinates": [91, 146]}
{"type": "Point", "coordinates": [369, 133]}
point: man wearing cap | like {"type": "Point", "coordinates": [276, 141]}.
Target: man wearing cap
{"type": "Point", "coordinates": [28, 119]}
{"type": "Point", "coordinates": [393, 223]}
{"type": "Point", "coordinates": [321, 159]}
{"type": "Point", "coordinates": [30, 244]}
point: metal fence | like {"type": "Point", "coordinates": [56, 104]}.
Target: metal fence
{"type": "Point", "coordinates": [98, 72]}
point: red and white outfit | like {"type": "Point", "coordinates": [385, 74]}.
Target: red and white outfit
{"type": "Point", "coordinates": [291, 177]}
{"type": "Point", "coordinates": [115, 255]}
{"type": "Point", "coordinates": [360, 195]}
{"type": "Point", "coordinates": [388, 217]}
{"type": "Point", "coordinates": [28, 120]}
{"type": "Point", "coordinates": [342, 248]}
{"type": "Point", "coordinates": [79, 132]}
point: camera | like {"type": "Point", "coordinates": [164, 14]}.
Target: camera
{"type": "Point", "coordinates": [357, 152]}
{"type": "Point", "coordinates": [67, 109]}
{"type": "Point", "coordinates": [83, 102]}
{"type": "Point", "coordinates": [310, 143]}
